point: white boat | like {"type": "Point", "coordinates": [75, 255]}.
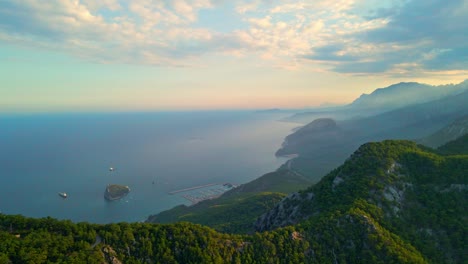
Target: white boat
{"type": "Point", "coordinates": [62, 194]}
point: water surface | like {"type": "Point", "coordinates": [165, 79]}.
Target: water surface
{"type": "Point", "coordinates": [41, 155]}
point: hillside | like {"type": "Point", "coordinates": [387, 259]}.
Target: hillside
{"type": "Point", "coordinates": [390, 202]}
{"type": "Point", "coordinates": [451, 132]}
{"type": "Point", "coordinates": [321, 146]}
{"type": "Point", "coordinates": [236, 210]}
{"type": "Point", "coordinates": [322, 150]}
{"type": "Point", "coordinates": [311, 134]}
{"type": "Point", "coordinates": [455, 147]}
{"type": "Point", "coordinates": [410, 193]}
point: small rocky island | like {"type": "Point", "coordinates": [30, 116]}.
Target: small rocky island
{"type": "Point", "coordinates": [115, 191]}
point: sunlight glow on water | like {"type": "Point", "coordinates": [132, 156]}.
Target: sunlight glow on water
{"type": "Point", "coordinates": [42, 155]}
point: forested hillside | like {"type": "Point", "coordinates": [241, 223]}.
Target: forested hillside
{"type": "Point", "coordinates": [408, 192]}
{"type": "Point", "coordinates": [390, 202]}
{"type": "Point", "coordinates": [236, 210]}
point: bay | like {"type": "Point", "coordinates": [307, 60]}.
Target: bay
{"type": "Point", "coordinates": [44, 154]}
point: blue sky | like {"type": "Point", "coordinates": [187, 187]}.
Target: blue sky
{"type": "Point", "coordinates": [90, 55]}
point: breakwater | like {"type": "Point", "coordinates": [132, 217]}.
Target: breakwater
{"type": "Point", "coordinates": [193, 188]}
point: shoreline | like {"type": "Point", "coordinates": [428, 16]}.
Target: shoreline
{"type": "Point", "coordinates": [193, 188]}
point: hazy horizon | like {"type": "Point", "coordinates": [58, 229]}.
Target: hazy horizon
{"type": "Point", "coordinates": [152, 153]}
{"type": "Point", "coordinates": [140, 55]}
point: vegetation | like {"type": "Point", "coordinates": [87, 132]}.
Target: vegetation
{"type": "Point", "coordinates": [51, 241]}
{"type": "Point", "coordinates": [413, 201]}
{"type": "Point", "coordinates": [454, 147]}
{"type": "Point", "coordinates": [237, 210]}
{"type": "Point", "coordinates": [233, 214]}
{"type": "Point", "coordinates": [390, 202]}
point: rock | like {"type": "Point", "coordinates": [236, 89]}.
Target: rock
{"type": "Point", "coordinates": [115, 192]}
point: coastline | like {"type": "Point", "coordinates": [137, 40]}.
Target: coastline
{"type": "Point", "coordinates": [241, 164]}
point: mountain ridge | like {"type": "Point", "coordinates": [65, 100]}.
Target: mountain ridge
{"type": "Point", "coordinates": [398, 180]}
{"type": "Point", "coordinates": [385, 99]}
{"type": "Point", "coordinates": [390, 202]}
{"type": "Point", "coordinates": [456, 129]}
{"type": "Point", "coordinates": [320, 152]}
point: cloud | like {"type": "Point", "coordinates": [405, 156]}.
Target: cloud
{"type": "Point", "coordinates": [423, 35]}
{"type": "Point", "coordinates": [332, 52]}
{"type": "Point", "coordinates": [346, 36]}
{"type": "Point", "coordinates": [95, 5]}
{"type": "Point", "coordinates": [150, 32]}
{"type": "Point", "coordinates": [447, 59]}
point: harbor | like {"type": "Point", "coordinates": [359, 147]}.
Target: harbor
{"type": "Point", "coordinates": [192, 188]}
{"type": "Point", "coordinates": [200, 193]}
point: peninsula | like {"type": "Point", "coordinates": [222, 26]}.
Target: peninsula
{"type": "Point", "coordinates": [115, 191]}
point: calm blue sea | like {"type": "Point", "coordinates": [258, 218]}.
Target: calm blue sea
{"type": "Point", "coordinates": [43, 154]}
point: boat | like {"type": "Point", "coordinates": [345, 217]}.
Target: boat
{"type": "Point", "coordinates": [62, 194]}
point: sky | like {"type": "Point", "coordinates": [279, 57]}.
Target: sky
{"type": "Point", "coordinates": [140, 55]}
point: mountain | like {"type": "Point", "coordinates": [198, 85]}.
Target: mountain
{"type": "Point", "coordinates": [396, 188]}
{"type": "Point", "coordinates": [321, 150]}
{"type": "Point", "coordinates": [308, 134]}
{"type": "Point", "coordinates": [320, 147]}
{"type": "Point", "coordinates": [407, 93]}
{"type": "Point", "coordinates": [455, 130]}
{"type": "Point", "coordinates": [390, 202]}
{"type": "Point", "coordinates": [385, 99]}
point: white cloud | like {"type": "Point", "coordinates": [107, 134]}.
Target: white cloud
{"type": "Point", "coordinates": [95, 5]}
{"type": "Point", "coordinates": [261, 22]}
{"type": "Point", "coordinates": [334, 33]}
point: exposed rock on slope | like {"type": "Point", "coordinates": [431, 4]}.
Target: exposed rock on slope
{"type": "Point", "coordinates": [393, 186]}
{"type": "Point", "coordinates": [390, 202]}
{"type": "Point", "coordinates": [287, 212]}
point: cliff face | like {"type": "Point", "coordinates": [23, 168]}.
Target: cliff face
{"type": "Point", "coordinates": [287, 212]}
{"type": "Point", "coordinates": [392, 186]}
{"type": "Point", "coordinates": [390, 202]}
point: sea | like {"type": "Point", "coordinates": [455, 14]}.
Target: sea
{"type": "Point", "coordinates": [155, 153]}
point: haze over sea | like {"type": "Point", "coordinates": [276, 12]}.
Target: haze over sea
{"type": "Point", "coordinates": [44, 154]}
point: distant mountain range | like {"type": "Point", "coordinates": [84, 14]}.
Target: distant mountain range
{"type": "Point", "coordinates": [390, 202]}
{"type": "Point", "coordinates": [384, 100]}
{"type": "Point", "coordinates": [407, 93]}
{"type": "Point", "coordinates": [324, 144]}
{"type": "Point", "coordinates": [382, 199]}
{"type": "Point", "coordinates": [321, 150]}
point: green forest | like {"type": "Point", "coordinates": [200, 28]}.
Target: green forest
{"type": "Point", "coordinates": [390, 202]}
